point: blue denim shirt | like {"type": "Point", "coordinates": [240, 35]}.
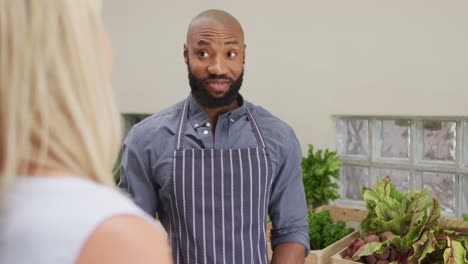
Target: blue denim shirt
{"type": "Point", "coordinates": [147, 160]}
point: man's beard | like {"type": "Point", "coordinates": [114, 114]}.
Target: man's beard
{"type": "Point", "coordinates": [205, 99]}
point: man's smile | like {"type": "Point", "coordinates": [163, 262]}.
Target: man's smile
{"type": "Point", "coordinates": [218, 86]}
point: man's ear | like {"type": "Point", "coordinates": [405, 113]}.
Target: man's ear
{"type": "Point", "coordinates": [245, 52]}
{"type": "Point", "coordinates": [186, 53]}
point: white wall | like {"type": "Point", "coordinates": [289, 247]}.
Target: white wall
{"type": "Point", "coordinates": [306, 60]}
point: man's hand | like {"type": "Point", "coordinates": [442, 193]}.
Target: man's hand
{"type": "Point", "coordinates": [288, 253]}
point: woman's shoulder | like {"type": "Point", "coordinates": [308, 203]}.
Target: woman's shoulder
{"type": "Point", "coordinates": [58, 215]}
{"type": "Point", "coordinates": [71, 198]}
{"type": "Point", "coordinates": [142, 243]}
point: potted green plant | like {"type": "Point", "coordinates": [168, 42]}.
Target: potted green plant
{"type": "Point", "coordinates": [319, 168]}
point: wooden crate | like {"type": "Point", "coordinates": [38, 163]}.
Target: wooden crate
{"type": "Point", "coordinates": [338, 258]}
{"type": "Point", "coordinates": [352, 216]}
{"type": "Point", "coordinates": [323, 256]}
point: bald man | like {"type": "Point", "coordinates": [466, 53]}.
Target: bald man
{"type": "Point", "coordinates": [214, 165]}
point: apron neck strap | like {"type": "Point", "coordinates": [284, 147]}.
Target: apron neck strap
{"type": "Point", "coordinates": [179, 142]}
{"type": "Point", "coordinates": [255, 128]}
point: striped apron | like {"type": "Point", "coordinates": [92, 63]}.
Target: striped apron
{"type": "Point", "coordinates": [219, 202]}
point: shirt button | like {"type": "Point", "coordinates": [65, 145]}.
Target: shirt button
{"type": "Point", "coordinates": [232, 120]}
{"type": "Point", "coordinates": [197, 125]}
{"type": "Point", "coordinates": [205, 132]}
{"type": "Point", "coordinates": [208, 124]}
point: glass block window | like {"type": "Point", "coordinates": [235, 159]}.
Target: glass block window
{"type": "Point", "coordinates": [401, 178]}
{"type": "Point", "coordinates": [394, 138]}
{"type": "Point", "coordinates": [465, 144]}
{"type": "Point", "coordinates": [352, 137]}
{"type": "Point", "coordinates": [439, 140]}
{"type": "Point", "coordinates": [416, 153]}
{"type": "Point", "coordinates": [354, 177]}
{"type": "Point", "coordinates": [442, 186]}
{"type": "Point", "coordinates": [464, 194]}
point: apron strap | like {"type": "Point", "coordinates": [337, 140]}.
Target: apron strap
{"type": "Point", "coordinates": [255, 128]}
{"type": "Point", "coordinates": [179, 142]}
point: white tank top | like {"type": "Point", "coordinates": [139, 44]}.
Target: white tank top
{"type": "Point", "coordinates": [47, 220]}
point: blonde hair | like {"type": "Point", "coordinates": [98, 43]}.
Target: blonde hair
{"type": "Point", "coordinates": [56, 105]}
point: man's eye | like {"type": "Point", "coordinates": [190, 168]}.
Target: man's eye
{"type": "Point", "coordinates": [231, 54]}
{"type": "Point", "coordinates": [203, 54]}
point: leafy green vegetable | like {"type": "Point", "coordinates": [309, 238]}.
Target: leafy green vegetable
{"type": "Point", "coordinates": [455, 253]}
{"type": "Point", "coordinates": [323, 232]}
{"type": "Point", "coordinates": [421, 235]}
{"type": "Point", "coordinates": [116, 168]}
{"type": "Point", "coordinates": [465, 217]}
{"type": "Point", "coordinates": [318, 169]}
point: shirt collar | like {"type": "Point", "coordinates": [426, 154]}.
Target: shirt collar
{"type": "Point", "coordinates": [199, 118]}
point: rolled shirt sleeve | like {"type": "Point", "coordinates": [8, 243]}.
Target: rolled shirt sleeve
{"type": "Point", "coordinates": [288, 209]}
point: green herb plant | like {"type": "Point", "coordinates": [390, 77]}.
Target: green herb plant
{"type": "Point", "coordinates": [116, 168]}
{"type": "Point", "coordinates": [465, 217]}
{"type": "Point", "coordinates": [323, 231]}
{"type": "Point", "coordinates": [417, 232]}
{"type": "Point", "coordinates": [318, 170]}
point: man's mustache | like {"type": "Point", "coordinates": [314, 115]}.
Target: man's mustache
{"type": "Point", "coordinates": [214, 77]}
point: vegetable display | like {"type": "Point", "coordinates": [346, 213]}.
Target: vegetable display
{"type": "Point", "coordinates": [323, 231]}
{"type": "Point", "coordinates": [407, 228]}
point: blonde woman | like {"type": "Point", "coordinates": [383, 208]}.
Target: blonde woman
{"type": "Point", "coordinates": [59, 137]}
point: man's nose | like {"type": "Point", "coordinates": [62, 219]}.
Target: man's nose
{"type": "Point", "coordinates": [217, 66]}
